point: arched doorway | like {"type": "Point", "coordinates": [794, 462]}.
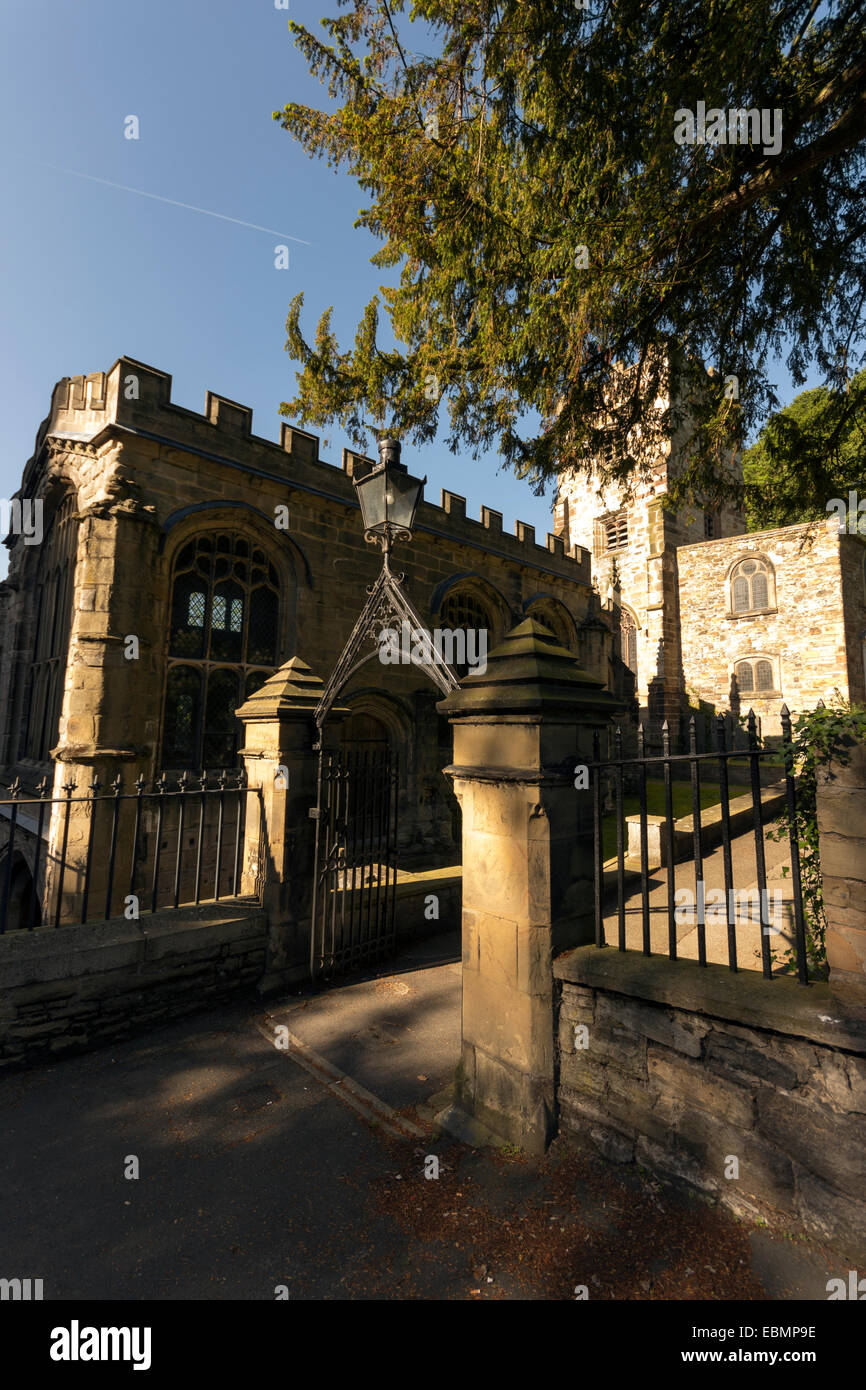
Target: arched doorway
{"type": "Point", "coordinates": [363, 730]}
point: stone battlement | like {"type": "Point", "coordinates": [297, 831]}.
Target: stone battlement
{"type": "Point", "coordinates": [133, 397]}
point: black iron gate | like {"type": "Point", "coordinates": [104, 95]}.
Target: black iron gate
{"type": "Point", "coordinates": [356, 860]}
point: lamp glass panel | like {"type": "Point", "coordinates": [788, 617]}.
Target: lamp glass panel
{"type": "Point", "coordinates": [388, 495]}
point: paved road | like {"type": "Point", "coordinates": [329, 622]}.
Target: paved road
{"type": "Point", "coordinates": [256, 1174]}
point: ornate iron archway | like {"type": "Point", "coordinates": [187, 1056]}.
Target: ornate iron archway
{"type": "Point", "coordinates": [356, 812]}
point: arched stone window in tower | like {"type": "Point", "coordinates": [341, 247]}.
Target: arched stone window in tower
{"type": "Point", "coordinates": [222, 646]}
{"type": "Point", "coordinates": [56, 580]}
{"type": "Point", "coordinates": [628, 638]}
{"type": "Point", "coordinates": [752, 586]}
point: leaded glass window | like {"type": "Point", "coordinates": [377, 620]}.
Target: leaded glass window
{"type": "Point", "coordinates": [628, 636]}
{"type": "Point", "coordinates": [755, 676]}
{"type": "Point", "coordinates": [751, 586]}
{"type": "Point", "coordinates": [222, 646]}
{"type": "Point", "coordinates": [763, 675]}
{"type": "Point", "coordinates": [745, 678]}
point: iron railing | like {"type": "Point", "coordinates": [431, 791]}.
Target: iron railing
{"type": "Point", "coordinates": [158, 828]}
{"type": "Point", "coordinates": [612, 770]}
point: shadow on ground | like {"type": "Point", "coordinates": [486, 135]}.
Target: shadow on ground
{"type": "Point", "coordinates": [253, 1176]}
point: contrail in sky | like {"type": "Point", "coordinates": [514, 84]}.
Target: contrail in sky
{"type": "Point", "coordinates": [173, 201]}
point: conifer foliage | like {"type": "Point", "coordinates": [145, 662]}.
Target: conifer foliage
{"type": "Point", "coordinates": [565, 264]}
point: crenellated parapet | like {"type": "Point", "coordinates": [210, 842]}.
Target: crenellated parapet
{"type": "Point", "coordinates": [133, 399]}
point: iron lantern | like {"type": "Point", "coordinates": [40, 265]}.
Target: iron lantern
{"type": "Point", "coordinates": [389, 497]}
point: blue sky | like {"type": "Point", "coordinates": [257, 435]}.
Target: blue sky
{"type": "Point", "coordinates": [91, 271]}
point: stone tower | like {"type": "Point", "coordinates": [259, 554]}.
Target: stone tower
{"type": "Point", "coordinates": [632, 540]}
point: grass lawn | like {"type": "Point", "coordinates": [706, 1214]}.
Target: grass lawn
{"type": "Point", "coordinates": [681, 796]}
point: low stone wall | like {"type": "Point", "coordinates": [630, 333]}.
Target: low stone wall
{"type": "Point", "coordinates": [741, 817]}
{"type": "Point", "coordinates": [428, 902]}
{"type": "Point", "coordinates": [73, 988]}
{"type": "Point", "coordinates": [752, 1090]}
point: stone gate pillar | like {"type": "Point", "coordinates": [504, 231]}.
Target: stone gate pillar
{"type": "Point", "coordinates": [279, 835]}
{"type": "Point", "coordinates": [520, 732]}
{"type": "Point", "coordinates": [842, 828]}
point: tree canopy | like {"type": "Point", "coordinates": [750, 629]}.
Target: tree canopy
{"type": "Point", "coordinates": [566, 265]}
{"type": "Point", "coordinates": [807, 454]}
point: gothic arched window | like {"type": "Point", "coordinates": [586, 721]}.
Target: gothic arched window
{"type": "Point", "coordinates": [464, 612]}
{"type": "Point", "coordinates": [628, 637]}
{"type": "Point", "coordinates": [555, 616]}
{"type": "Point", "coordinates": [56, 579]}
{"type": "Point", "coordinates": [222, 646]}
{"type": "Point", "coordinates": [752, 586]}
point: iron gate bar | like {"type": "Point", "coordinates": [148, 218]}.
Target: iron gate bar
{"type": "Point", "coordinates": [644, 855]}
{"type": "Point", "coordinates": [180, 820]}
{"type": "Point", "coordinates": [219, 839]}
{"type": "Point", "coordinates": [598, 855]}
{"type": "Point", "coordinates": [698, 848]}
{"type": "Point", "coordinates": [620, 857]}
{"type": "Point", "coordinates": [42, 788]}
{"type": "Point", "coordinates": [669, 829]}
{"type": "Point", "coordinates": [791, 803]}
{"type": "Point", "coordinates": [203, 781]}
{"type": "Point", "coordinates": [760, 863]}
{"type": "Point", "coordinates": [69, 788]}
{"type": "Point", "coordinates": [115, 818]}
{"type": "Point", "coordinates": [726, 847]}
{"type": "Point", "coordinates": [157, 853]}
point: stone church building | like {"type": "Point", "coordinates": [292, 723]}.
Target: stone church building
{"type": "Point", "coordinates": [224, 554]}
{"type": "Point", "coordinates": [183, 559]}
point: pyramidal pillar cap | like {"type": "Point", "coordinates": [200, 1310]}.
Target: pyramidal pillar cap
{"type": "Point", "coordinates": [293, 690]}
{"type": "Point", "coordinates": [530, 671]}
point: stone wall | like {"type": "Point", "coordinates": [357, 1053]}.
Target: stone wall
{"type": "Point", "coordinates": [805, 633]}
{"type": "Point", "coordinates": [80, 986]}
{"type": "Point", "coordinates": [684, 1069]}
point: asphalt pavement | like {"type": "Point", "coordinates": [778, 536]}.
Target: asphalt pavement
{"type": "Point", "coordinates": [286, 1150]}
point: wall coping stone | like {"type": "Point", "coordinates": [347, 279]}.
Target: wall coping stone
{"type": "Point", "coordinates": [780, 1005]}
{"type": "Point", "coordinates": [67, 953]}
